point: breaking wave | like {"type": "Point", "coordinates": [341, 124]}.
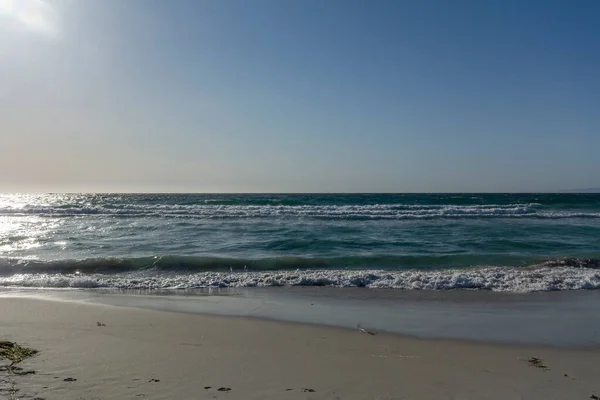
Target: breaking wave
{"type": "Point", "coordinates": [492, 278]}
{"type": "Point", "coordinates": [192, 264]}
{"type": "Point", "coordinates": [553, 275]}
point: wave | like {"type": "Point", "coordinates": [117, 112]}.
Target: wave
{"type": "Point", "coordinates": [374, 211]}
{"type": "Point", "coordinates": [197, 272]}
{"type": "Point", "coordinates": [500, 279]}
{"type": "Point", "coordinates": [191, 264]}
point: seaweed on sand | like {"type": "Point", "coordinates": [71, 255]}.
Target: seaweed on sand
{"type": "Point", "coordinates": [15, 353]}
{"type": "Point", "coordinates": [537, 362]}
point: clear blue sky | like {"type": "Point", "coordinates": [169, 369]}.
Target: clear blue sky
{"type": "Point", "coordinates": [299, 95]}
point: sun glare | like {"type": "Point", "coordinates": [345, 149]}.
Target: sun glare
{"type": "Point", "coordinates": [6, 6]}
{"type": "Point", "coordinates": [32, 15]}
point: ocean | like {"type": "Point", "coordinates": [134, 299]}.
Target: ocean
{"type": "Point", "coordinates": [493, 242]}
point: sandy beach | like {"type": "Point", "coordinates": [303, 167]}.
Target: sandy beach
{"type": "Point", "coordinates": [147, 354]}
{"type": "Point", "coordinates": [299, 200]}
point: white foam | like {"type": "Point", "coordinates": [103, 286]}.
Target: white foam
{"type": "Point", "coordinates": [500, 279]}
{"type": "Point", "coordinates": [376, 211]}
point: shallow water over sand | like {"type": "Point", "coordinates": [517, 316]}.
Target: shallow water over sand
{"type": "Point", "coordinates": [555, 319]}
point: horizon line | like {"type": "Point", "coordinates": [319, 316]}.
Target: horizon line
{"type": "Point", "coordinates": [568, 191]}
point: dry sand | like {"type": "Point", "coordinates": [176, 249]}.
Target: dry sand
{"type": "Point", "coordinates": [145, 354]}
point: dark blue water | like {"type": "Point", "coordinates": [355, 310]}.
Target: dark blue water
{"type": "Point", "coordinates": [422, 241]}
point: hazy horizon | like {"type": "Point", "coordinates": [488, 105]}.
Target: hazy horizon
{"type": "Point", "coordinates": [567, 191]}
{"type": "Point", "coordinates": [299, 96]}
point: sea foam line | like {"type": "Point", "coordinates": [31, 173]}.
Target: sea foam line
{"type": "Point", "coordinates": [375, 211]}
{"type": "Point", "coordinates": [499, 279]}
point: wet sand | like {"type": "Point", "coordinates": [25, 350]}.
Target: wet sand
{"type": "Point", "coordinates": [149, 354]}
{"type": "Point", "coordinates": [565, 319]}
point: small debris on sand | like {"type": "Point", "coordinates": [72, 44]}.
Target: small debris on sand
{"type": "Point", "coordinates": [224, 389]}
{"type": "Point", "coordinates": [100, 324]}
{"type": "Point", "coordinates": [363, 330]}
{"type": "Point", "coordinates": [537, 362]}
{"type": "Point", "coordinates": [69, 379]}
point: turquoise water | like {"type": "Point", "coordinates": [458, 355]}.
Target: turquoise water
{"type": "Point", "coordinates": [408, 241]}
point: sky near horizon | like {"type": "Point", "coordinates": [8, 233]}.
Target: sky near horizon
{"type": "Point", "coordinates": [299, 95]}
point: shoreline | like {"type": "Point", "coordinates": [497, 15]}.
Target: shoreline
{"type": "Point", "coordinates": [141, 353]}
{"type": "Point", "coordinates": [556, 319]}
